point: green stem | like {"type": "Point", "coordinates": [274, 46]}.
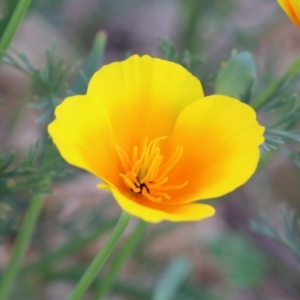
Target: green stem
{"type": "Point", "coordinates": [13, 25]}
{"type": "Point", "coordinates": [20, 246]}
{"type": "Point", "coordinates": [273, 88]}
{"type": "Point", "coordinates": [52, 258]}
{"type": "Point", "coordinates": [118, 261]}
{"type": "Point", "coordinates": [190, 13]}
{"type": "Point", "coordinates": [94, 268]}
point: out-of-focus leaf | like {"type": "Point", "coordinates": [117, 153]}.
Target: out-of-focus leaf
{"type": "Point", "coordinates": [294, 156]}
{"type": "Point", "coordinates": [191, 61]}
{"type": "Point", "coordinates": [287, 236]}
{"type": "Point", "coordinates": [172, 279]}
{"type": "Point", "coordinates": [70, 246]}
{"type": "Point", "coordinates": [91, 65]}
{"type": "Point", "coordinates": [236, 79]}
{"type": "Point", "coordinates": [243, 263]}
{"type": "Point", "coordinates": [9, 6]}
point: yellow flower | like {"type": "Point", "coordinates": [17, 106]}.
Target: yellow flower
{"type": "Point", "coordinates": [292, 9]}
{"type": "Point", "coordinates": [145, 128]}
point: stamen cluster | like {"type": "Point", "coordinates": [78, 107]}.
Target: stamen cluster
{"type": "Point", "coordinates": [145, 172]}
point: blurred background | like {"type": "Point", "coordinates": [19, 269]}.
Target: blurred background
{"type": "Point", "coordinates": [217, 259]}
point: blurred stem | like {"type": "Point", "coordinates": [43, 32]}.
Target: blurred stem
{"type": "Point", "coordinates": [190, 12]}
{"type": "Point", "coordinates": [68, 248]}
{"type": "Point", "coordinates": [94, 268]}
{"type": "Point", "coordinates": [13, 24]}
{"type": "Point", "coordinates": [91, 65]}
{"type": "Point", "coordinates": [20, 109]}
{"type": "Point", "coordinates": [273, 87]}
{"type": "Point", "coordinates": [129, 289]}
{"type": "Point", "coordinates": [124, 253]}
{"type": "Point", "coordinates": [20, 246]}
{"type": "Point", "coordinates": [133, 290]}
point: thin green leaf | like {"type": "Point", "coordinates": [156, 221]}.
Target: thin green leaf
{"type": "Point", "coordinates": [91, 65]}
{"type": "Point", "coordinates": [172, 279]}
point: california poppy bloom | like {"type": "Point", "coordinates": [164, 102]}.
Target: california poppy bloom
{"type": "Point", "coordinates": [145, 128]}
{"type": "Point", "coordinates": [292, 9]}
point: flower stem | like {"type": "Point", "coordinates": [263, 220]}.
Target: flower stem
{"type": "Point", "coordinates": [48, 260]}
{"type": "Point", "coordinates": [272, 89]}
{"type": "Point", "coordinates": [119, 260]}
{"type": "Point", "coordinates": [100, 259]}
{"type": "Point", "coordinates": [13, 24]}
{"type": "Point", "coordinates": [20, 246]}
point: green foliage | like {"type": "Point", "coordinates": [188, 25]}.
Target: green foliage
{"type": "Point", "coordinates": [280, 130]}
{"type": "Point", "coordinates": [275, 138]}
{"type": "Point", "coordinates": [289, 108]}
{"type": "Point", "coordinates": [90, 66]}
{"type": "Point", "coordinates": [21, 178]}
{"type": "Point", "coordinates": [51, 80]}
{"type": "Point", "coordinates": [9, 7]}
{"type": "Point", "coordinates": [186, 59]}
{"type": "Point", "coordinates": [9, 222]}
{"type": "Point", "coordinates": [244, 264]}
{"type": "Point", "coordinates": [33, 173]}
{"type": "Point", "coordinates": [275, 92]}
{"type": "Point", "coordinates": [118, 260]}
{"type": "Point", "coordinates": [294, 156]}
{"type": "Point", "coordinates": [236, 79]}
{"type": "Point", "coordinates": [11, 22]}
{"type": "Point", "coordinates": [171, 279]}
{"type": "Point", "coordinates": [286, 234]}
{"type": "Point", "coordinates": [95, 226]}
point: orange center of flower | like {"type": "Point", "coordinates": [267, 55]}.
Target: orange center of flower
{"type": "Point", "coordinates": [146, 171]}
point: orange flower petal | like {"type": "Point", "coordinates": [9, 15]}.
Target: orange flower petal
{"type": "Point", "coordinates": [143, 97]}
{"type": "Point", "coordinates": [83, 135]}
{"type": "Point", "coordinates": [157, 212]}
{"type": "Point", "coordinates": [292, 9]}
{"type": "Point", "coordinates": [220, 138]}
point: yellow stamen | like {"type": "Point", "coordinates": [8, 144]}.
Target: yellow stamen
{"type": "Point", "coordinates": [132, 176]}
{"type": "Point", "coordinates": [157, 184]}
{"type": "Point", "coordinates": [172, 187]}
{"type": "Point", "coordinates": [168, 166]}
{"type": "Point", "coordinates": [149, 196]}
{"type": "Point", "coordinates": [123, 158]}
{"type": "Point", "coordinates": [146, 173]}
{"type": "Point", "coordinates": [130, 184]}
{"type": "Point", "coordinates": [136, 167]}
{"type": "Point", "coordinates": [135, 153]}
{"type": "Point", "coordinates": [152, 171]}
{"type": "Point", "coordinates": [156, 193]}
{"type": "Point", "coordinates": [103, 186]}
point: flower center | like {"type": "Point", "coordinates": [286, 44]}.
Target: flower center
{"type": "Point", "coordinates": [145, 172]}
